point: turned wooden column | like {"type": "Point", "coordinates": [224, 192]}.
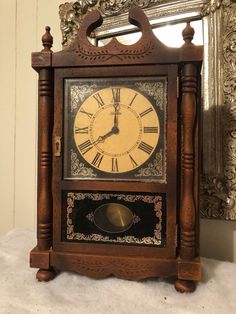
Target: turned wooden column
{"type": "Point", "coordinates": [45, 125]}
{"type": "Point", "coordinates": [188, 210]}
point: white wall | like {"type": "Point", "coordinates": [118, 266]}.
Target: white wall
{"type": "Point", "coordinates": [7, 113]}
{"type": "Point", "coordinates": [23, 23]}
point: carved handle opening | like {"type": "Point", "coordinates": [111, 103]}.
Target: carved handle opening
{"type": "Point", "coordinates": [57, 146]}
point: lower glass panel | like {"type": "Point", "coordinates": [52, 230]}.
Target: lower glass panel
{"type": "Point", "coordinates": [117, 218]}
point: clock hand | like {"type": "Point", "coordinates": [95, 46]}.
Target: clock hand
{"type": "Point", "coordinates": [100, 139]}
{"type": "Point", "coordinates": [115, 126]}
{"type": "Point", "coordinates": [116, 106]}
{"type": "Point", "coordinates": [114, 129]}
{"type": "Point", "coordinates": [103, 137]}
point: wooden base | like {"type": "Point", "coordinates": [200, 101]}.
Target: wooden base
{"type": "Point", "coordinates": [182, 286]}
{"type": "Point", "coordinates": [46, 274]}
{"type": "Point", "coordinates": [185, 285]}
{"type": "Point", "coordinates": [124, 267]}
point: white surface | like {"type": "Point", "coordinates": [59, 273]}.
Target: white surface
{"type": "Point", "coordinates": [24, 22]}
{"type": "Point", "coordinates": [20, 292]}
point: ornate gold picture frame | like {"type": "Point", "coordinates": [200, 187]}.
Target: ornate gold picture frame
{"type": "Point", "coordinates": [218, 183]}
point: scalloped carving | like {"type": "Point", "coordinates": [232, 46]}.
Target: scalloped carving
{"type": "Point", "coordinates": [124, 54]}
{"type": "Point", "coordinates": [126, 268]}
{"type": "Point", "coordinates": [72, 14]}
{"type": "Point", "coordinates": [147, 50]}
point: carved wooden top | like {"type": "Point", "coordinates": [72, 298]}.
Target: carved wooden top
{"type": "Point", "coordinates": [188, 34]}
{"type": "Point", "coordinates": [47, 40]}
{"type": "Point", "coordinates": [148, 50]}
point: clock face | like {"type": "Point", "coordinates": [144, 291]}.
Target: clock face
{"type": "Point", "coordinates": [116, 129]}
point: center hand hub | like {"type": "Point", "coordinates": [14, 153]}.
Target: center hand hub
{"type": "Point", "coordinates": [115, 130]}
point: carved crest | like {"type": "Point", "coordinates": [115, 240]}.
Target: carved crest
{"type": "Point", "coordinates": [148, 49]}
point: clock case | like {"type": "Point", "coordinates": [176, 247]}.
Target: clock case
{"type": "Point", "coordinates": [179, 254]}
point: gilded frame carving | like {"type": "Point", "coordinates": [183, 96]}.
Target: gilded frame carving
{"type": "Point", "coordinates": [218, 184]}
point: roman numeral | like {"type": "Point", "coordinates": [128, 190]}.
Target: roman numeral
{"type": "Point", "coordinates": [116, 95]}
{"type": "Point", "coordinates": [114, 167]}
{"type": "Point", "coordinates": [81, 130]}
{"type": "Point", "coordinates": [150, 129]}
{"type": "Point", "coordinates": [85, 147]}
{"type": "Point", "coordinates": [146, 112]}
{"type": "Point", "coordinates": [87, 113]}
{"type": "Point", "coordinates": [133, 99]}
{"type": "Point", "coordinates": [97, 160]}
{"type": "Point", "coordinates": [133, 161]}
{"type": "Point", "coordinates": [99, 100]}
{"type": "Point", "coordinates": [145, 147]}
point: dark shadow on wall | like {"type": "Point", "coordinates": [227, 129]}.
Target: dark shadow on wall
{"type": "Point", "coordinates": [218, 239]}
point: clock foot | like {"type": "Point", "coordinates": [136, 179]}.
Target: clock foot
{"type": "Point", "coordinates": [45, 274]}
{"type": "Point", "coordinates": [185, 285]}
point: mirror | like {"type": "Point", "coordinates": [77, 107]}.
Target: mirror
{"type": "Point", "coordinates": [214, 22]}
{"type": "Point", "coordinates": [170, 35]}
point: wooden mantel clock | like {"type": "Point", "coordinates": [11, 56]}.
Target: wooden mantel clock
{"type": "Point", "coordinates": [118, 157]}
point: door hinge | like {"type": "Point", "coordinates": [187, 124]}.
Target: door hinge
{"type": "Point", "coordinates": [57, 146]}
{"type": "Point", "coordinates": [176, 235]}
{"type": "Point", "coordinates": [177, 86]}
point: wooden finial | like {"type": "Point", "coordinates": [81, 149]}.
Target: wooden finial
{"type": "Point", "coordinates": [47, 40]}
{"type": "Point", "coordinates": [188, 34]}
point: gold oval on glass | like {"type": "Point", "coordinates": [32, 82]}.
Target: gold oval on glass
{"type": "Point", "coordinates": [113, 218]}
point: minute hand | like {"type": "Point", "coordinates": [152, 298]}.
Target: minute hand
{"type": "Point", "coordinates": [116, 106]}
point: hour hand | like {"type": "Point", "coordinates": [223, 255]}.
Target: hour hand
{"type": "Point", "coordinates": [103, 137]}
